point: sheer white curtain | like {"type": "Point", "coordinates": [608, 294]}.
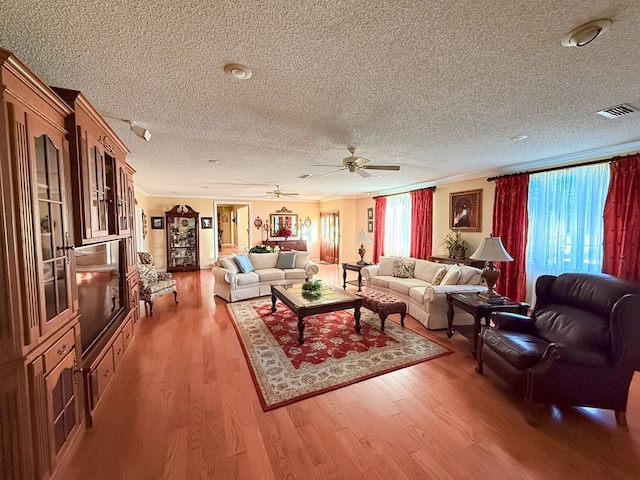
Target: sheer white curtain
{"type": "Point", "coordinates": [397, 232]}
{"type": "Point", "coordinates": [565, 211]}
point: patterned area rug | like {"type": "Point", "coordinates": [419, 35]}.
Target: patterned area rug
{"type": "Point", "coordinates": [333, 354]}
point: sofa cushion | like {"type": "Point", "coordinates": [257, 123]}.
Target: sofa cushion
{"type": "Point", "coordinates": [470, 275]}
{"type": "Point", "coordinates": [452, 276]}
{"type": "Point", "coordinates": [403, 268]}
{"type": "Point", "coordinates": [301, 259]}
{"type": "Point", "coordinates": [417, 293]}
{"type": "Point", "coordinates": [229, 263]}
{"type": "Point", "coordinates": [437, 278]}
{"type": "Point", "coordinates": [270, 274]}
{"type": "Point", "coordinates": [425, 270]}
{"type": "Point", "coordinates": [244, 263]}
{"type": "Point", "coordinates": [386, 266]}
{"type": "Point", "coordinates": [247, 278]}
{"type": "Point", "coordinates": [403, 285]}
{"type": "Point", "coordinates": [382, 280]}
{"type": "Point", "coordinates": [286, 260]}
{"type": "Point", "coordinates": [263, 260]}
{"type": "Point", "coordinates": [295, 274]}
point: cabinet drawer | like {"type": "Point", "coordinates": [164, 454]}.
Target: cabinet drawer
{"type": "Point", "coordinates": [104, 372]}
{"type": "Point", "coordinates": [59, 350]}
{"type": "Point", "coordinates": [127, 331]}
{"type": "Point", "coordinates": [118, 350]}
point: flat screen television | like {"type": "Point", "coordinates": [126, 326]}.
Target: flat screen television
{"type": "Point", "coordinates": [100, 277]}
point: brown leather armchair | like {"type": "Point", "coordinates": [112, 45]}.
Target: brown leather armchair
{"type": "Point", "coordinates": [580, 346]}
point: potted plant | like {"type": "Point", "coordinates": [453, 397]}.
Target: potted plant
{"type": "Point", "coordinates": [456, 245]}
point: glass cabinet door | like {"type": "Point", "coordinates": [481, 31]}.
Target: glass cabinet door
{"type": "Point", "coordinates": [183, 241]}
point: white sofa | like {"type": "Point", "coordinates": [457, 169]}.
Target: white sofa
{"type": "Point", "coordinates": [425, 302]}
{"type": "Point", "coordinates": [233, 285]}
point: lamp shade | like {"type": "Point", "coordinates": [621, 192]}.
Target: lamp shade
{"type": "Point", "coordinates": [491, 249]}
{"type": "Point", "coordinates": [362, 237]}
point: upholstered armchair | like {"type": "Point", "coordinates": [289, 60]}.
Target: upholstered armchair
{"type": "Point", "coordinates": [153, 284]}
{"type": "Point", "coordinates": [580, 346]}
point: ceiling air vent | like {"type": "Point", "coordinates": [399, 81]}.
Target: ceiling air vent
{"type": "Point", "coordinates": [304, 175]}
{"type": "Point", "coordinates": [617, 111]}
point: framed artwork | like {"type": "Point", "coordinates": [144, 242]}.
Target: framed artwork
{"type": "Point", "coordinates": [206, 222]}
{"type": "Point", "coordinates": [465, 211]}
{"type": "Point", "coordinates": [369, 213]}
{"type": "Point", "coordinates": [370, 226]}
{"type": "Point", "coordinates": [157, 223]}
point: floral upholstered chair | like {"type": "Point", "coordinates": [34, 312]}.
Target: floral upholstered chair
{"type": "Point", "coordinates": [153, 284]}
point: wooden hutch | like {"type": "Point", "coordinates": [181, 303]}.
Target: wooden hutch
{"type": "Point", "coordinates": [64, 186]}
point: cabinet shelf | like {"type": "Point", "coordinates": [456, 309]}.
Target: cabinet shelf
{"type": "Point", "coordinates": [182, 239]}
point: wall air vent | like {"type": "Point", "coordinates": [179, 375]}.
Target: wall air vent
{"type": "Point", "coordinates": [617, 111]}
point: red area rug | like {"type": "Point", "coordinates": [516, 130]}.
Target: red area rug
{"type": "Point", "coordinates": [332, 356]}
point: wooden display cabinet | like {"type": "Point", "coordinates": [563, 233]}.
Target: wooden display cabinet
{"type": "Point", "coordinates": [183, 249]}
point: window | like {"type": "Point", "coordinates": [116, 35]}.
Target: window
{"type": "Point", "coordinates": [565, 211]}
{"type": "Point", "coordinates": [397, 231]}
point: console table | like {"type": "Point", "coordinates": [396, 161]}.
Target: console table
{"type": "Point", "coordinates": [457, 261]}
{"type": "Point", "coordinates": [287, 245]}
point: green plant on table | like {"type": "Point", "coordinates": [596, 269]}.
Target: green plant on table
{"type": "Point", "coordinates": [456, 245]}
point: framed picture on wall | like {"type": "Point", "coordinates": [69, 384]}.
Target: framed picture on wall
{"type": "Point", "coordinates": [206, 222]}
{"type": "Point", "coordinates": [465, 211]}
{"type": "Point", "coordinates": [157, 223]}
{"type": "Point", "coordinates": [369, 213]}
{"type": "Point", "coordinates": [370, 226]}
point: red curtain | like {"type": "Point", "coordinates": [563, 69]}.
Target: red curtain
{"type": "Point", "coordinates": [622, 220]}
{"type": "Point", "coordinates": [421, 222]}
{"type": "Point", "coordinates": [510, 223]}
{"type": "Point", "coordinates": [378, 232]}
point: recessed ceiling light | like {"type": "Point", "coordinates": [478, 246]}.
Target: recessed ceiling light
{"type": "Point", "coordinates": [238, 71]}
{"type": "Point", "coordinates": [517, 138]}
{"type": "Point", "coordinates": [587, 33]}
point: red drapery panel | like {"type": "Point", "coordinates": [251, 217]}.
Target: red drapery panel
{"type": "Point", "coordinates": [421, 222]}
{"type": "Point", "coordinates": [622, 220]}
{"type": "Point", "coordinates": [510, 223]}
{"type": "Point", "coordinates": [378, 232]}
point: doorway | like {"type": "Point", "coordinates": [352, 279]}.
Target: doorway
{"type": "Point", "coordinates": [232, 224]}
{"type": "Point", "coordinates": [330, 237]}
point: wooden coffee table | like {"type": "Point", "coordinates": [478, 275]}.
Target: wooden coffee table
{"type": "Point", "coordinates": [479, 309]}
{"type": "Point", "coordinates": [331, 299]}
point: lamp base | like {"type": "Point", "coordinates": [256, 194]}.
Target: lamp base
{"type": "Point", "coordinates": [490, 295]}
{"type": "Point", "coordinates": [361, 252]}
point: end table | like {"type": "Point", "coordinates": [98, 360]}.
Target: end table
{"type": "Point", "coordinates": [478, 308]}
{"type": "Point", "coordinates": [356, 267]}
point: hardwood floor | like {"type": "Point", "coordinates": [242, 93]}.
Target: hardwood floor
{"type": "Point", "coordinates": [183, 406]}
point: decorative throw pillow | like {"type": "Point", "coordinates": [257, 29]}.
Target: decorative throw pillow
{"type": "Point", "coordinates": [442, 271]}
{"type": "Point", "coordinates": [147, 273]}
{"type": "Point", "coordinates": [301, 259]}
{"type": "Point", "coordinates": [386, 266]}
{"type": "Point", "coordinates": [229, 263]}
{"type": "Point", "coordinates": [403, 268]}
{"type": "Point", "coordinates": [244, 263]}
{"type": "Point", "coordinates": [452, 276]}
{"type": "Point", "coordinates": [286, 260]}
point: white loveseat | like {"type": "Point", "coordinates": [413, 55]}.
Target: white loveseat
{"type": "Point", "coordinates": [233, 285]}
{"type": "Point", "coordinates": [413, 283]}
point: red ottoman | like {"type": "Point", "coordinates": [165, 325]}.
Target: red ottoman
{"type": "Point", "coordinates": [383, 304]}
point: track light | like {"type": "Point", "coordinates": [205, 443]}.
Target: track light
{"type": "Point", "coordinates": [141, 132]}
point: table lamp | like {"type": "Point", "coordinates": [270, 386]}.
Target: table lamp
{"type": "Point", "coordinates": [491, 250]}
{"type": "Point", "coordinates": [362, 238]}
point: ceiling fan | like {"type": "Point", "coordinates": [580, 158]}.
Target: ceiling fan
{"type": "Point", "coordinates": [277, 193]}
{"type": "Point", "coordinates": [358, 165]}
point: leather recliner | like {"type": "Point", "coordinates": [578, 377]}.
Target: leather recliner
{"type": "Point", "coordinates": [580, 346]}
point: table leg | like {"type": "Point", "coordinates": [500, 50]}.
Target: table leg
{"type": "Point", "coordinates": [301, 330]}
{"type": "Point", "coordinates": [356, 314]}
{"type": "Point", "coordinates": [359, 280]}
{"type": "Point", "coordinates": [344, 278]}
{"type": "Point", "coordinates": [476, 333]}
{"type": "Point", "coordinates": [273, 303]}
{"type": "Point", "coordinates": [450, 320]}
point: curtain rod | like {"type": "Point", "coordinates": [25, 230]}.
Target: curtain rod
{"type": "Point", "coordinates": [551, 169]}
{"type": "Point", "coordinates": [402, 193]}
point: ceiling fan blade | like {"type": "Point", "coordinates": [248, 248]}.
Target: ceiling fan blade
{"type": "Point", "coordinates": [323, 165]}
{"type": "Point", "coordinates": [289, 194]}
{"type": "Point", "coordinates": [331, 173]}
{"type": "Point", "coordinates": [359, 161]}
{"type": "Point", "coordinates": [363, 173]}
{"type": "Point", "coordinates": [381, 167]}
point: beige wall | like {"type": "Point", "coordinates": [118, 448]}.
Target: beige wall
{"type": "Point", "coordinates": [362, 204]}
{"type": "Point", "coordinates": [441, 212]}
{"type": "Point", "coordinates": [141, 201]}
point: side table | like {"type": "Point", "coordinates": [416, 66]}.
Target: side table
{"type": "Point", "coordinates": [356, 267]}
{"type": "Point", "coordinates": [478, 307]}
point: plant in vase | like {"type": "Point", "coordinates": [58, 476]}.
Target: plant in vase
{"type": "Point", "coordinates": [284, 232]}
{"type": "Point", "coordinates": [312, 287]}
{"type": "Point", "coordinates": [455, 244]}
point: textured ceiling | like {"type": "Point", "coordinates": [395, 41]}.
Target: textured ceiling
{"type": "Point", "coordinates": [437, 87]}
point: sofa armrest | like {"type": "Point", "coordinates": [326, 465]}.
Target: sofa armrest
{"type": "Point", "coordinates": [311, 268]}
{"type": "Point", "coordinates": [222, 275]}
{"type": "Point", "coordinates": [512, 322]}
{"type": "Point", "coordinates": [369, 271]}
{"type": "Point", "coordinates": [434, 291]}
